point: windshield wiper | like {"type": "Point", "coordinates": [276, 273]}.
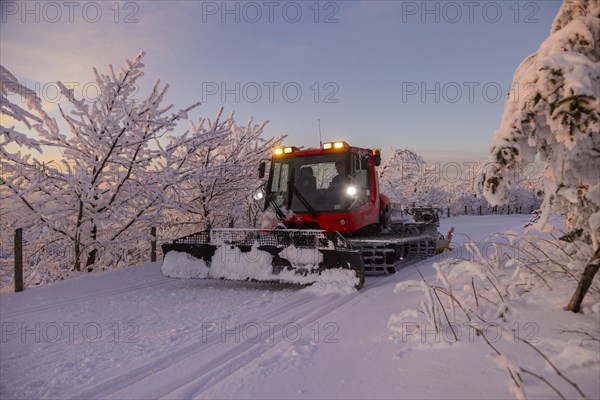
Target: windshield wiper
{"type": "Point", "coordinates": [306, 203]}
{"type": "Point", "coordinates": [278, 211]}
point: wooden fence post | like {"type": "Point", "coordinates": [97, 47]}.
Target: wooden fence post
{"type": "Point", "coordinates": [480, 209]}
{"type": "Point", "coordinates": [465, 210]}
{"type": "Point", "coordinates": [448, 212]}
{"type": "Point", "coordinates": [19, 260]}
{"type": "Point", "coordinates": [153, 244]}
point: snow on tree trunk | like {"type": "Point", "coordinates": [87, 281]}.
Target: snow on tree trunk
{"type": "Point", "coordinates": [552, 114]}
{"type": "Point", "coordinates": [585, 282]}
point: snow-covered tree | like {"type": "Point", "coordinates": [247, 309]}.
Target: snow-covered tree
{"type": "Point", "coordinates": [558, 121]}
{"type": "Point", "coordinates": [218, 197]}
{"type": "Point", "coordinates": [119, 173]}
{"type": "Point", "coordinates": [22, 170]}
{"type": "Point", "coordinates": [405, 178]}
{"type": "Point", "coordinates": [11, 113]}
{"type": "Point", "coordinates": [107, 186]}
{"type": "Point", "coordinates": [521, 197]}
{"type": "Point", "coordinates": [525, 194]}
{"type": "Point", "coordinates": [13, 120]}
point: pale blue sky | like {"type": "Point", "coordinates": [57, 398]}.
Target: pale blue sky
{"type": "Point", "coordinates": [371, 58]}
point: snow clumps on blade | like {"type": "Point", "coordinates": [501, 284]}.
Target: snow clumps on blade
{"type": "Point", "coordinates": [229, 262]}
{"type": "Point", "coordinates": [304, 257]}
{"type": "Point", "coordinates": [336, 281]}
{"type": "Point", "coordinates": [183, 265]}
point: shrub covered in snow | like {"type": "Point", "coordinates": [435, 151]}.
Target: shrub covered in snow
{"type": "Point", "coordinates": [487, 291]}
{"type": "Point", "coordinates": [558, 125]}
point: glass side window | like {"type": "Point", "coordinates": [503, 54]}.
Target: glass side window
{"type": "Point", "coordinates": [360, 178]}
{"type": "Point", "coordinates": [280, 177]}
{"type": "Point", "coordinates": [279, 183]}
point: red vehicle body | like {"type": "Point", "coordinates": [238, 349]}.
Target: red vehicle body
{"type": "Point", "coordinates": [329, 201]}
{"type": "Point", "coordinates": [303, 191]}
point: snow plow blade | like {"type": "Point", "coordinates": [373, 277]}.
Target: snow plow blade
{"type": "Point", "coordinates": [298, 256]}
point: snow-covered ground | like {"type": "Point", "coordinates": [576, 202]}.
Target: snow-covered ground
{"type": "Point", "coordinates": [134, 333]}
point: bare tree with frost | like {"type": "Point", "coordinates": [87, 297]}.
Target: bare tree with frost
{"type": "Point", "coordinates": [406, 178]}
{"type": "Point", "coordinates": [218, 196]}
{"type": "Point", "coordinates": [118, 174]}
{"type": "Point", "coordinates": [20, 166]}
{"type": "Point", "coordinates": [13, 113]}
{"type": "Point", "coordinates": [557, 122]}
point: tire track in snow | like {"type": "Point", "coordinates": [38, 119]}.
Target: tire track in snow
{"type": "Point", "coordinates": [198, 379]}
{"type": "Point", "coordinates": [147, 375]}
{"type": "Point", "coordinates": [164, 281]}
{"type": "Point", "coordinates": [241, 355]}
{"type": "Point", "coordinates": [232, 360]}
{"type": "Point", "coordinates": [113, 384]}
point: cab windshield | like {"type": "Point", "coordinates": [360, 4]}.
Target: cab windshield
{"type": "Point", "coordinates": [320, 183]}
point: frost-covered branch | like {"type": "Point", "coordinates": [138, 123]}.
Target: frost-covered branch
{"type": "Point", "coordinates": [559, 124]}
{"type": "Point", "coordinates": [121, 172]}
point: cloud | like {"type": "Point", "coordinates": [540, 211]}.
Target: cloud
{"type": "Point", "coordinates": [67, 51]}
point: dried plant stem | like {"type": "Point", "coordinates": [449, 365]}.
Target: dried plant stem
{"type": "Point", "coordinates": [525, 371]}
{"type": "Point", "coordinates": [445, 315]}
{"type": "Point", "coordinates": [580, 333]}
{"type": "Point", "coordinates": [451, 296]}
{"type": "Point", "coordinates": [488, 300]}
{"type": "Point", "coordinates": [510, 372]}
{"type": "Point", "coordinates": [495, 287]}
{"type": "Point", "coordinates": [475, 292]}
{"type": "Point", "coordinates": [570, 382]}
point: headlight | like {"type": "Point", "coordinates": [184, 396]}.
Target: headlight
{"type": "Point", "coordinates": [258, 195]}
{"type": "Point", "coordinates": [351, 190]}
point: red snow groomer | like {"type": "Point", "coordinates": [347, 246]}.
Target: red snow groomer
{"type": "Point", "coordinates": [328, 214]}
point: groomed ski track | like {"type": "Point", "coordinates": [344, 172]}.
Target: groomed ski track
{"type": "Point", "coordinates": [217, 344]}
{"type": "Point", "coordinates": [133, 333]}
